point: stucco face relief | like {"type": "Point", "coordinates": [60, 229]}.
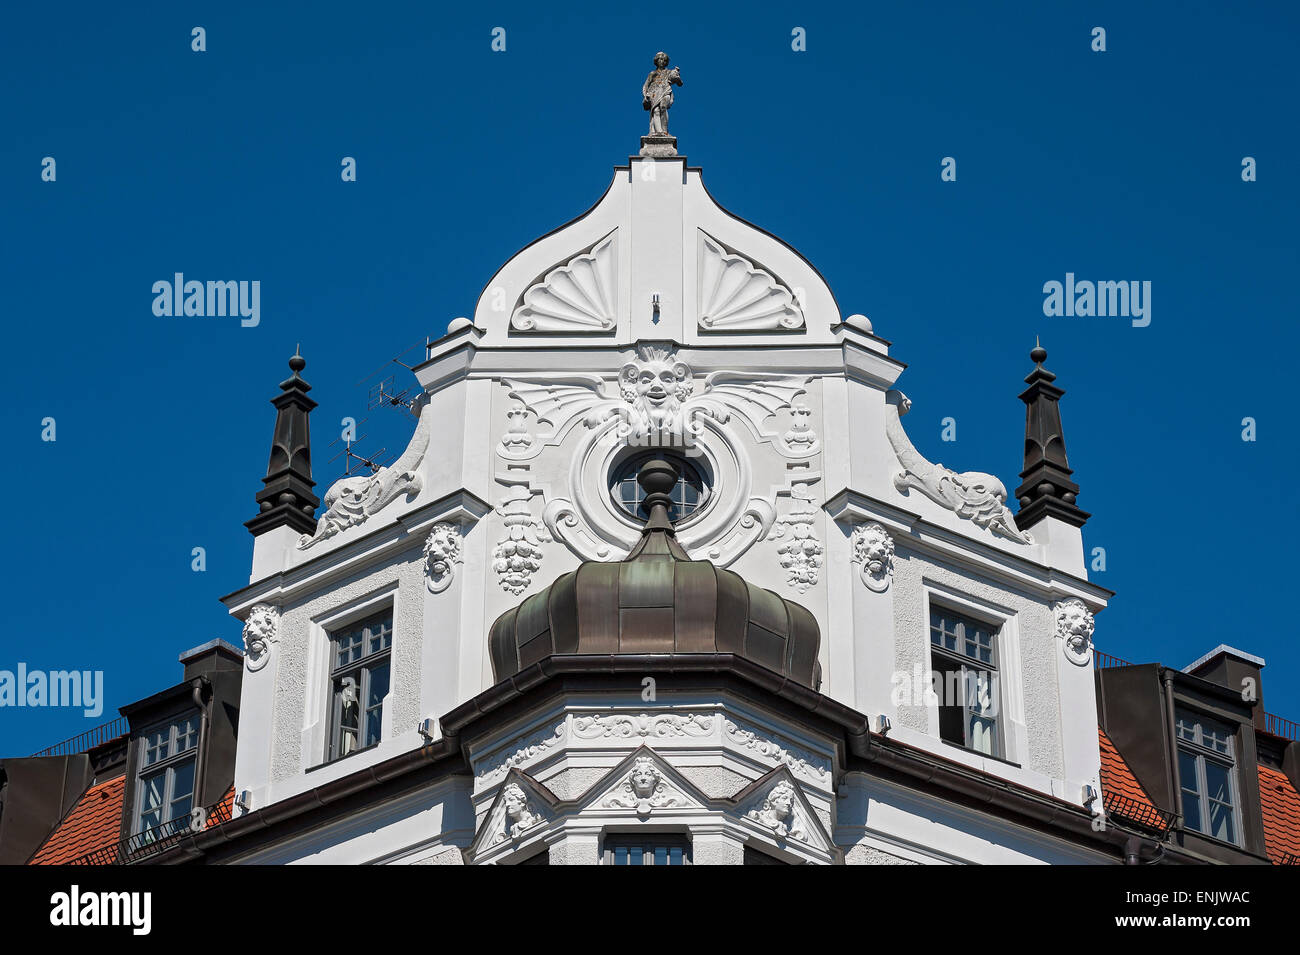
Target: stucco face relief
{"type": "Point", "coordinates": [441, 555]}
{"type": "Point", "coordinates": [1074, 626]}
{"type": "Point", "coordinates": [259, 635]}
{"type": "Point", "coordinates": [873, 551]}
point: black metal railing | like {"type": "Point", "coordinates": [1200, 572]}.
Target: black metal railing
{"type": "Point", "coordinates": [89, 739]}
{"type": "Point", "coordinates": [1105, 661]}
{"type": "Point", "coordinates": [1138, 813]}
{"type": "Point", "coordinates": [1287, 729]}
{"type": "Point", "coordinates": [151, 842]}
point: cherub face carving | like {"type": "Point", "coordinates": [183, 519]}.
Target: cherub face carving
{"type": "Point", "coordinates": [655, 384]}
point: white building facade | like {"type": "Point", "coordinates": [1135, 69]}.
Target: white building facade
{"type": "Point", "coordinates": [376, 726]}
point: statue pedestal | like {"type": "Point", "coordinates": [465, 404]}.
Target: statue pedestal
{"type": "Point", "coordinates": [659, 144]}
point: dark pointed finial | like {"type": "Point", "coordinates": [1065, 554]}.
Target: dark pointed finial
{"type": "Point", "coordinates": [286, 498]}
{"type": "Point", "coordinates": [1046, 488]}
{"type": "Point", "coordinates": [658, 478]}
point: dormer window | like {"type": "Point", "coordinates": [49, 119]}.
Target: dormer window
{"type": "Point", "coordinates": [359, 675]}
{"type": "Point", "coordinates": [1207, 775]}
{"type": "Point", "coordinates": [165, 787]}
{"type": "Point", "coordinates": [964, 661]}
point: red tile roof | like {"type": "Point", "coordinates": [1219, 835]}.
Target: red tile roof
{"type": "Point", "coordinates": [1281, 810]}
{"type": "Point", "coordinates": [1122, 794]}
{"type": "Point", "coordinates": [95, 822]}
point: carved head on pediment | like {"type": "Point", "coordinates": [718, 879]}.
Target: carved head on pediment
{"type": "Point", "coordinates": [644, 778]}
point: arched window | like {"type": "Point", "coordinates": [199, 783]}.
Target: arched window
{"type": "Point", "coordinates": [689, 494]}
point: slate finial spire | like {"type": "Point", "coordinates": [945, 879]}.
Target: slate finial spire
{"type": "Point", "coordinates": [1045, 489]}
{"type": "Point", "coordinates": [286, 498]}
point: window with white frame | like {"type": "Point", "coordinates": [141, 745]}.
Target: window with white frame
{"type": "Point", "coordinates": [964, 663]}
{"type": "Point", "coordinates": [165, 784]}
{"type": "Point", "coordinates": [359, 675]}
{"type": "Point", "coordinates": [1207, 775]}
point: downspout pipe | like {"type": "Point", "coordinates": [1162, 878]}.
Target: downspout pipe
{"type": "Point", "coordinates": [1173, 743]}
{"type": "Point", "coordinates": [200, 764]}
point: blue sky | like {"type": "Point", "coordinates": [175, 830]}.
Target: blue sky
{"type": "Point", "coordinates": [225, 164]}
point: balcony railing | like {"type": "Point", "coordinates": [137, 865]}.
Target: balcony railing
{"type": "Point", "coordinates": [1287, 729]}
{"type": "Point", "coordinates": [1104, 661]}
{"type": "Point", "coordinates": [89, 739]}
{"type": "Point", "coordinates": [1138, 813]}
{"type": "Point", "coordinates": [152, 842]}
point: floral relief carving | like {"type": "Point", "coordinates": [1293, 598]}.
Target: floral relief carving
{"type": "Point", "coordinates": [442, 552]}
{"type": "Point", "coordinates": [537, 744]}
{"type": "Point", "coordinates": [260, 632]}
{"type": "Point", "coordinates": [802, 551]}
{"type": "Point", "coordinates": [873, 549]}
{"type": "Point", "coordinates": [800, 762]}
{"type": "Point", "coordinates": [1074, 626]}
{"type": "Point", "coordinates": [660, 726]}
{"type": "Point", "coordinates": [516, 440]}
{"type": "Point", "coordinates": [519, 554]}
{"type": "Point", "coordinates": [801, 439]}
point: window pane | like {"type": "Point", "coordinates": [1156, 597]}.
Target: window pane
{"type": "Point", "coordinates": [378, 689]}
{"type": "Point", "coordinates": [1218, 782]}
{"type": "Point", "coordinates": [380, 634]}
{"type": "Point", "coordinates": [1187, 773]}
{"type": "Point", "coordinates": [187, 734]}
{"type": "Point", "coordinates": [152, 791]}
{"type": "Point", "coordinates": [636, 856]}
{"type": "Point", "coordinates": [348, 707]}
{"type": "Point", "coordinates": [1192, 811]}
{"type": "Point", "coordinates": [983, 735]}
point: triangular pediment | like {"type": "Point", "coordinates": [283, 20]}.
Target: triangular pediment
{"type": "Point", "coordinates": [776, 805]}
{"type": "Point", "coordinates": [521, 809]}
{"type": "Point", "coordinates": [643, 785]}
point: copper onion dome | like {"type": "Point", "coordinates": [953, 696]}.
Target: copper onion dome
{"type": "Point", "coordinates": [657, 600]}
